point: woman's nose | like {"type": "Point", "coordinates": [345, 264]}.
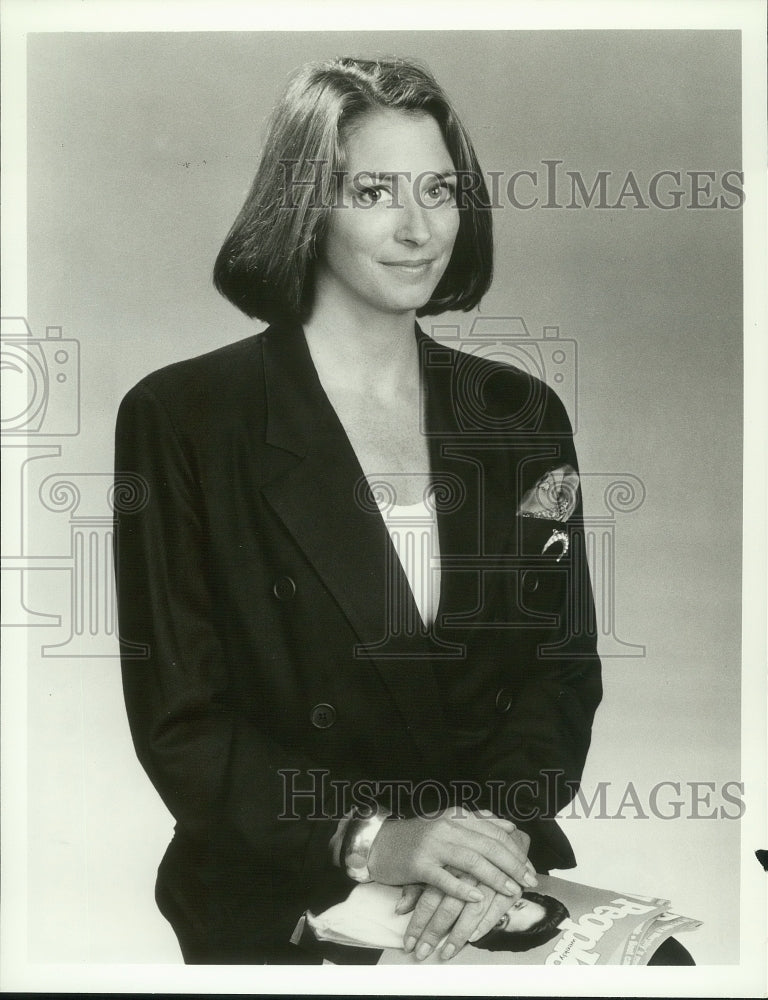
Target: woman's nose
{"type": "Point", "coordinates": [412, 224]}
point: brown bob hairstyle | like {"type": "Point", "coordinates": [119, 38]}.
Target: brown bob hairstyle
{"type": "Point", "coordinates": [266, 265]}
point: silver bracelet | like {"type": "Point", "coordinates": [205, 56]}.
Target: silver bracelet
{"type": "Point", "coordinates": [337, 840]}
{"type": "Point", "coordinates": [359, 836]}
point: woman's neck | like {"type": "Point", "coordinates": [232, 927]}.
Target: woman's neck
{"type": "Point", "coordinates": [354, 346]}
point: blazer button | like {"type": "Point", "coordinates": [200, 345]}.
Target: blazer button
{"type": "Point", "coordinates": [323, 716]}
{"type": "Point", "coordinates": [503, 700]}
{"type": "Point", "coordinates": [530, 582]}
{"type": "Point", "coordinates": [284, 588]}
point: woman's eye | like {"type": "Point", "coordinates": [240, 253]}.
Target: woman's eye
{"type": "Point", "coordinates": [439, 192]}
{"type": "Point", "coordinates": [372, 196]}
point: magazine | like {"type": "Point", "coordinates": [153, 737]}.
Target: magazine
{"type": "Point", "coordinates": [598, 927]}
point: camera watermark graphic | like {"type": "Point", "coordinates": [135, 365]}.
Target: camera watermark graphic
{"type": "Point", "coordinates": [548, 358]}
{"type": "Point", "coordinates": [504, 517]}
{"type": "Point", "coordinates": [40, 381]}
{"type": "Point", "coordinates": [472, 533]}
{"type": "Point", "coordinates": [57, 526]}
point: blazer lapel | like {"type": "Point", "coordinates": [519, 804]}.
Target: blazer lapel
{"type": "Point", "coordinates": [476, 498]}
{"type": "Point", "coordinates": [322, 497]}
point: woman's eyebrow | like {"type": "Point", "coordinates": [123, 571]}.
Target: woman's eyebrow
{"type": "Point", "coordinates": [443, 175]}
{"type": "Point", "coordinates": [388, 175]}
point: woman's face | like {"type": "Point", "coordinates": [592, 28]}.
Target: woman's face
{"type": "Point", "coordinates": [521, 916]}
{"type": "Point", "coordinates": [392, 232]}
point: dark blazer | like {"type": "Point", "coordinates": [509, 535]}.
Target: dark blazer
{"type": "Point", "coordinates": [258, 575]}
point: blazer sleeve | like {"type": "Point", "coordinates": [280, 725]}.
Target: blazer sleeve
{"type": "Point", "coordinates": [536, 757]}
{"type": "Point", "coordinates": [217, 773]}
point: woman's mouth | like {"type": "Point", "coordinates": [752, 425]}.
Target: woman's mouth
{"type": "Point", "coordinates": [415, 267]}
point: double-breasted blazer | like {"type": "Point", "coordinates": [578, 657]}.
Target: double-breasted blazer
{"type": "Point", "coordinates": [271, 666]}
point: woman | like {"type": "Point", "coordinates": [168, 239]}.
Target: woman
{"type": "Point", "coordinates": [370, 651]}
{"type": "Point", "coordinates": [532, 921]}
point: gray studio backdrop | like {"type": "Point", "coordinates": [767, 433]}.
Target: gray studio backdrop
{"type": "Point", "coordinates": [140, 150]}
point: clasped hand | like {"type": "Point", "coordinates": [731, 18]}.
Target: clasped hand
{"type": "Point", "coordinates": [461, 871]}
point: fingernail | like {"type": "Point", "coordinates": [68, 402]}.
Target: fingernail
{"type": "Point", "coordinates": [476, 896]}
{"type": "Point", "coordinates": [448, 951]}
{"type": "Point", "coordinates": [511, 887]}
{"type": "Point", "coordinates": [530, 880]}
{"type": "Point", "coordinates": [422, 951]}
{"type": "Point", "coordinates": [409, 943]}
{"type": "Point", "coordinates": [476, 936]}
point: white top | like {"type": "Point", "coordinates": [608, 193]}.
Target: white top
{"type": "Point", "coordinates": [413, 530]}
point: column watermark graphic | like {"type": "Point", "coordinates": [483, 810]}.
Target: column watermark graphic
{"type": "Point", "coordinates": [42, 410]}
{"type": "Point", "coordinates": [506, 422]}
{"type": "Point", "coordinates": [41, 405]}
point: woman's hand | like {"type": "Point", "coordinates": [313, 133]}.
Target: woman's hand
{"type": "Point", "coordinates": [439, 852]}
{"type": "Point", "coordinates": [436, 914]}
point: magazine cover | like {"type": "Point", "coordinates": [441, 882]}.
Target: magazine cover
{"type": "Point", "coordinates": [597, 927]}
